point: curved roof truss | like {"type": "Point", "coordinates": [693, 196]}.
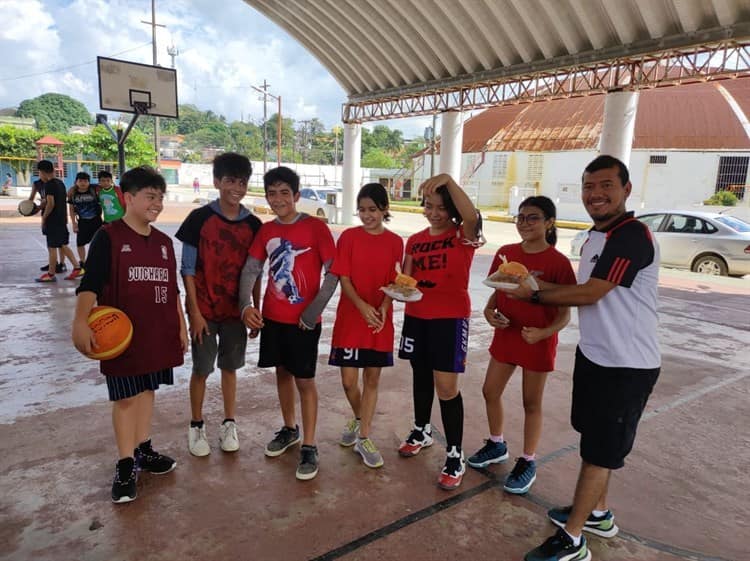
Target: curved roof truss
{"type": "Point", "coordinates": [398, 58]}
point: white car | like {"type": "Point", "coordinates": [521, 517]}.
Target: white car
{"type": "Point", "coordinates": [703, 242]}
{"type": "Point", "coordinates": [576, 244]}
{"type": "Point", "coordinates": [313, 201]}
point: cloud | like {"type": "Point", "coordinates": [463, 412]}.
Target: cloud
{"type": "Point", "coordinates": [224, 49]}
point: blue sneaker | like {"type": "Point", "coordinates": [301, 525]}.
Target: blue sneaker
{"type": "Point", "coordinates": [560, 548]}
{"type": "Point", "coordinates": [490, 453]}
{"type": "Point", "coordinates": [603, 526]}
{"type": "Point", "coordinates": [522, 477]}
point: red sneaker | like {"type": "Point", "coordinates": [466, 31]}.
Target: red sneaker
{"type": "Point", "coordinates": [46, 277]}
{"type": "Point", "coordinates": [75, 274]}
{"type": "Point", "coordinates": [453, 472]}
{"type": "Point", "coordinates": [418, 438]}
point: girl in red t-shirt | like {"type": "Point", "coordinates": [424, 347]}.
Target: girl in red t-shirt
{"type": "Point", "coordinates": [525, 336]}
{"type": "Point", "coordinates": [366, 259]}
{"type": "Point", "coordinates": [436, 328]}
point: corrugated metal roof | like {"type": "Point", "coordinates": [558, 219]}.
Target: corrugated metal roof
{"type": "Point", "coordinates": [693, 117]}
{"type": "Point", "coordinates": [381, 48]}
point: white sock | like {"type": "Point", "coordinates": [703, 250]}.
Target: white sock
{"type": "Point", "coordinates": [576, 539]}
{"type": "Point", "coordinates": [599, 513]}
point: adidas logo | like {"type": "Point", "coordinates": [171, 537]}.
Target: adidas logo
{"type": "Point", "coordinates": [594, 259]}
{"type": "Point", "coordinates": [125, 248]}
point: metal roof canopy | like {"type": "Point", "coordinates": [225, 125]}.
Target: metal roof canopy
{"type": "Point", "coordinates": [401, 58]}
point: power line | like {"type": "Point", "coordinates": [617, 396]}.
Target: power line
{"type": "Point", "coordinates": [62, 69]}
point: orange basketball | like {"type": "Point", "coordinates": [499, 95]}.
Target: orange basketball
{"type": "Point", "coordinates": [113, 331]}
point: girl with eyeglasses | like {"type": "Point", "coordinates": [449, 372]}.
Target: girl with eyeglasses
{"type": "Point", "coordinates": [525, 336]}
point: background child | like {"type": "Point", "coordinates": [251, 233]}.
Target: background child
{"type": "Point", "coordinates": [215, 241]}
{"type": "Point", "coordinates": [37, 188]}
{"type": "Point", "coordinates": [85, 216]}
{"type": "Point", "coordinates": [54, 220]}
{"type": "Point", "coordinates": [366, 259]}
{"type": "Point", "coordinates": [527, 338]}
{"type": "Point", "coordinates": [436, 328]}
{"type": "Point", "coordinates": [298, 247]}
{"type": "Point", "coordinates": [110, 197]}
{"type": "Point", "coordinates": [132, 266]}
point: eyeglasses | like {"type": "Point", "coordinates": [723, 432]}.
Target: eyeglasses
{"type": "Point", "coordinates": [530, 219]}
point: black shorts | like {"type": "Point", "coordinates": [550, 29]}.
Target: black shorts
{"type": "Point", "coordinates": [359, 358]}
{"type": "Point", "coordinates": [607, 406]}
{"type": "Point", "coordinates": [57, 236]}
{"type": "Point", "coordinates": [285, 344]}
{"type": "Point", "coordinates": [87, 227]}
{"type": "Point", "coordinates": [440, 344]}
{"type": "Point", "coordinates": [123, 387]}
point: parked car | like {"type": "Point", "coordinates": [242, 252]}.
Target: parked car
{"type": "Point", "coordinates": [312, 200]}
{"type": "Point", "coordinates": [703, 242]}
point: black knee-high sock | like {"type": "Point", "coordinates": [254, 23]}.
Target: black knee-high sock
{"type": "Point", "coordinates": [424, 393]}
{"type": "Point", "coordinates": [452, 412]}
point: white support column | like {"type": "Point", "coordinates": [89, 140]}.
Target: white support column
{"type": "Point", "coordinates": [352, 172]}
{"type": "Point", "coordinates": [451, 144]}
{"type": "Point", "coordinates": [618, 125]}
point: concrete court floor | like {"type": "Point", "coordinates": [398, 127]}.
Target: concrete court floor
{"type": "Point", "coordinates": [682, 495]}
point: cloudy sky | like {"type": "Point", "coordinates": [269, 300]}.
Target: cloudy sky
{"type": "Point", "coordinates": [224, 47]}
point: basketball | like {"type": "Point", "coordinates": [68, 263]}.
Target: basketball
{"type": "Point", "coordinates": [113, 331]}
{"type": "Point", "coordinates": [27, 207]}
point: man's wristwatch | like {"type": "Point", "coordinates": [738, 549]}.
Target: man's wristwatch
{"type": "Point", "coordinates": [535, 297]}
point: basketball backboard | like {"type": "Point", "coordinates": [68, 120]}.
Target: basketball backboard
{"type": "Point", "coordinates": [130, 87]}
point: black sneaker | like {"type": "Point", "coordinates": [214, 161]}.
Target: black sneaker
{"type": "Point", "coordinates": [308, 462]}
{"type": "Point", "coordinates": [283, 439]}
{"type": "Point", "coordinates": [123, 486]}
{"type": "Point", "coordinates": [44, 267]}
{"type": "Point", "coordinates": [603, 526]}
{"type": "Point", "coordinates": [148, 459]}
{"type": "Point", "coordinates": [558, 548]}
{"type": "Point", "coordinates": [61, 268]}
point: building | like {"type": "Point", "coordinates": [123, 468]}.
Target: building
{"type": "Point", "coordinates": [689, 142]}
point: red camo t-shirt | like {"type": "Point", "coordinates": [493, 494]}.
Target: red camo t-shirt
{"type": "Point", "coordinates": [507, 344]}
{"type": "Point", "coordinates": [441, 265]}
{"type": "Point", "coordinates": [296, 253]}
{"type": "Point", "coordinates": [370, 262]}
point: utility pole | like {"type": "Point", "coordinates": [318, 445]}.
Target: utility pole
{"type": "Point", "coordinates": [154, 25]}
{"type": "Point", "coordinates": [173, 51]}
{"type": "Point", "coordinates": [265, 122]}
{"type": "Point", "coordinates": [264, 91]}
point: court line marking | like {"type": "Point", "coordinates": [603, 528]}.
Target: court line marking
{"type": "Point", "coordinates": [494, 482]}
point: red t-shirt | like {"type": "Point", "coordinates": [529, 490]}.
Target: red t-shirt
{"type": "Point", "coordinates": [441, 265]}
{"type": "Point", "coordinates": [296, 253]}
{"type": "Point", "coordinates": [369, 261]}
{"type": "Point", "coordinates": [507, 344]}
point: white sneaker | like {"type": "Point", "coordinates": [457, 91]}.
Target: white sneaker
{"type": "Point", "coordinates": [197, 441]}
{"type": "Point", "coordinates": [228, 437]}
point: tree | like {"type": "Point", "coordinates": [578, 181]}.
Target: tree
{"type": "Point", "coordinates": [288, 134]}
{"type": "Point", "coordinates": [55, 112]}
{"type": "Point", "coordinates": [376, 158]}
{"type": "Point", "coordinates": [246, 139]}
{"type": "Point", "coordinates": [383, 138]}
{"type": "Point", "coordinates": [99, 144]}
{"type": "Point", "coordinates": [19, 143]}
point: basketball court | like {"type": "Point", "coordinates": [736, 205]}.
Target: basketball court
{"type": "Point", "coordinates": [681, 485]}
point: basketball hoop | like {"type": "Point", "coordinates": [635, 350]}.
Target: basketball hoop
{"type": "Point", "coordinates": [142, 107]}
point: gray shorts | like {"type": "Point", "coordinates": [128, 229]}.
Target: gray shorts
{"type": "Point", "coordinates": [232, 342]}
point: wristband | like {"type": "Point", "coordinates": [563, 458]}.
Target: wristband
{"type": "Point", "coordinates": [535, 297]}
